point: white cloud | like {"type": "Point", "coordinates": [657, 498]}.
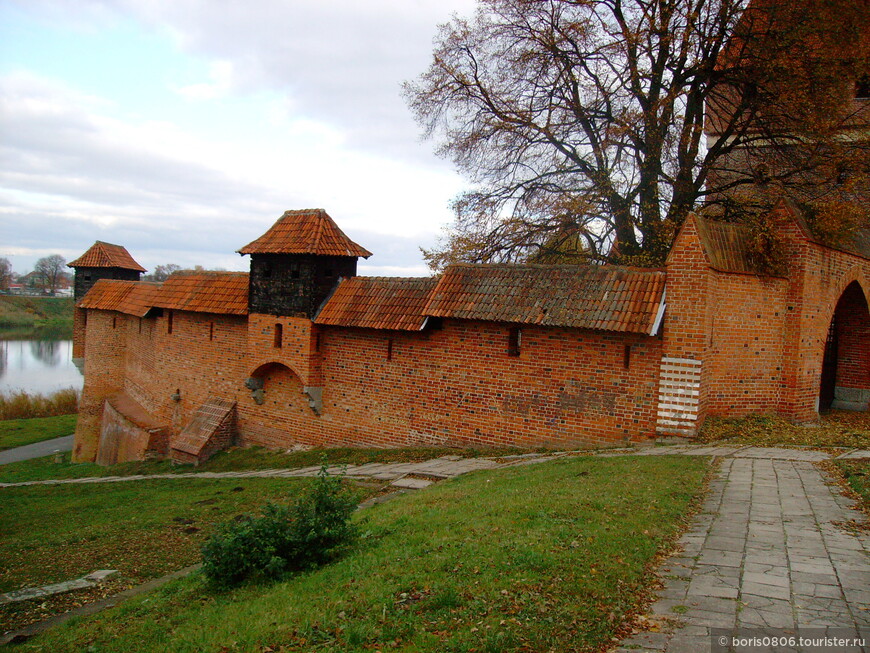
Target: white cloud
{"type": "Point", "coordinates": [222, 76]}
{"type": "Point", "coordinates": [310, 91]}
{"type": "Point", "coordinates": [72, 174]}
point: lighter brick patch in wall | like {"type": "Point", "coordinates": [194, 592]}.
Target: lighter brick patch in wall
{"type": "Point", "coordinates": [679, 396]}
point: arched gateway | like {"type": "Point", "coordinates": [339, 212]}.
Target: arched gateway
{"type": "Point", "coordinates": [845, 378]}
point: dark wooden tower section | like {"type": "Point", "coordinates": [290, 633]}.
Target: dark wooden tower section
{"type": "Point", "coordinates": [297, 263]}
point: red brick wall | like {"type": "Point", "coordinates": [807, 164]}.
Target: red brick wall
{"type": "Point", "coordinates": [456, 385]}
{"type": "Point", "coordinates": [688, 324]}
{"type": "Point", "coordinates": [745, 354]}
{"type": "Point", "coordinates": [105, 342]}
{"type": "Point", "coordinates": [818, 277]}
{"type": "Point", "coordinates": [79, 324]}
{"type": "Point", "coordinates": [761, 340]}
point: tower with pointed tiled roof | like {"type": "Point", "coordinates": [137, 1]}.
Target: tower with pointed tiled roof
{"type": "Point", "coordinates": [296, 264]}
{"type": "Point", "coordinates": [103, 261]}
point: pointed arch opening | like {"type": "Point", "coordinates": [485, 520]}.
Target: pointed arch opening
{"type": "Point", "coordinates": [845, 378]}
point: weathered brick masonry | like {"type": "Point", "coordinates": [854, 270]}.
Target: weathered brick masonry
{"type": "Point", "coordinates": [556, 356]}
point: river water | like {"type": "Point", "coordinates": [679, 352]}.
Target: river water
{"type": "Point", "coordinates": [37, 366]}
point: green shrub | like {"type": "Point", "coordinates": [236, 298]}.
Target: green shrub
{"type": "Point", "coordinates": [284, 538]}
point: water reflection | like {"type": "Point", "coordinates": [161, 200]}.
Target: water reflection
{"type": "Point", "coordinates": [46, 351]}
{"type": "Point", "coordinates": [37, 365]}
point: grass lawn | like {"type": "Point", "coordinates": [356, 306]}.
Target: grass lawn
{"type": "Point", "coordinates": [857, 475]}
{"type": "Point", "coordinates": [237, 460]}
{"type": "Point", "coordinates": [144, 529]}
{"type": "Point", "coordinates": [838, 428]}
{"type": "Point", "coordinates": [549, 557]}
{"type": "Point", "coordinates": [18, 432]}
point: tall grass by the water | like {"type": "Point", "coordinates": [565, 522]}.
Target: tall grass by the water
{"type": "Point", "coordinates": [18, 404]}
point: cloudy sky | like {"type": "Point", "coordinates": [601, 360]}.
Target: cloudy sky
{"type": "Point", "coordinates": [182, 129]}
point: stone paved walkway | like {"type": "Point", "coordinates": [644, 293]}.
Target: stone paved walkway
{"type": "Point", "coordinates": [768, 550]}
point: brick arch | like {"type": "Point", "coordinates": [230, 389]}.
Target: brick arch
{"type": "Point", "coordinates": [264, 366]}
{"type": "Point", "coordinates": [845, 361]}
{"type": "Point", "coordinates": [856, 274]}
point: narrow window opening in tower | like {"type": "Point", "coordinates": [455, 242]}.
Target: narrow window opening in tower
{"type": "Point", "coordinates": [514, 341]}
{"type": "Point", "coordinates": [278, 336]}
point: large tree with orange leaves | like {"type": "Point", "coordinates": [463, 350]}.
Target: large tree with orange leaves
{"type": "Point", "coordinates": [581, 123]}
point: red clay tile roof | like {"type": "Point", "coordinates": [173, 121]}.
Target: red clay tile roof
{"type": "Point", "coordinates": [378, 303]}
{"type": "Point", "coordinates": [106, 255]}
{"type": "Point", "coordinates": [205, 292]}
{"type": "Point", "coordinates": [310, 231]}
{"type": "Point", "coordinates": [131, 297]}
{"type": "Point", "coordinates": [225, 293]}
{"type": "Point", "coordinates": [608, 298]}
{"type": "Point", "coordinates": [728, 246]}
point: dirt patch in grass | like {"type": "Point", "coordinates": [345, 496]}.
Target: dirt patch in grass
{"type": "Point", "coordinates": [838, 429]}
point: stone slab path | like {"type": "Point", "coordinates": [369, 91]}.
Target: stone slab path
{"type": "Point", "coordinates": [771, 549]}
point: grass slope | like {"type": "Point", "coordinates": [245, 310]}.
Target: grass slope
{"type": "Point", "coordinates": [238, 460]}
{"type": "Point", "coordinates": [19, 432]}
{"type": "Point", "coordinates": [144, 529]}
{"type": "Point", "coordinates": [35, 317]}
{"type": "Point", "coordinates": [549, 557]}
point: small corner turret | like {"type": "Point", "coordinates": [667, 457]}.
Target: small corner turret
{"type": "Point", "coordinates": [103, 261]}
{"type": "Point", "coordinates": [296, 264]}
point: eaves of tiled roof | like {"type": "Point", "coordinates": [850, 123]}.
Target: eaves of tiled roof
{"type": "Point", "coordinates": [378, 303]}
{"type": "Point", "coordinates": [223, 293]}
{"type": "Point", "coordinates": [130, 297]}
{"type": "Point", "coordinates": [603, 297]}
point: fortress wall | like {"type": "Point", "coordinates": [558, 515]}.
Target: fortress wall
{"type": "Point", "coordinates": [105, 342]}
{"type": "Point", "coordinates": [745, 353]}
{"type": "Point", "coordinates": [203, 356]}
{"type": "Point", "coordinates": [459, 386]}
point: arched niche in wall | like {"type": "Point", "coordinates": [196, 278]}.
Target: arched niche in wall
{"type": "Point", "coordinates": [275, 385]}
{"type": "Point", "coordinates": [845, 377]}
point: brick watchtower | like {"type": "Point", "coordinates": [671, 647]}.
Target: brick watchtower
{"type": "Point", "coordinates": [296, 264]}
{"type": "Point", "coordinates": [101, 261]}
{"type": "Point", "coordinates": [295, 267]}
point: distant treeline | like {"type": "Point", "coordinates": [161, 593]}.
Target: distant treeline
{"type": "Point", "coordinates": [36, 317]}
